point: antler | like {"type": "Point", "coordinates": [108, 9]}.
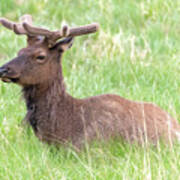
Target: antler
{"type": "Point", "coordinates": [17, 27]}
{"type": "Point", "coordinates": [26, 28]}
{"type": "Point", "coordinates": [53, 36]}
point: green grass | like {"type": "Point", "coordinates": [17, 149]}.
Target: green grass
{"type": "Point", "coordinates": [136, 54]}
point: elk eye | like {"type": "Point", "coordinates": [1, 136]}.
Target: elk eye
{"type": "Point", "coordinates": [40, 58]}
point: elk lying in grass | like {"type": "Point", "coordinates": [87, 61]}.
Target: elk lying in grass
{"type": "Point", "coordinates": [55, 116]}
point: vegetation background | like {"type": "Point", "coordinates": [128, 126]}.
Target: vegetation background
{"type": "Point", "coordinates": [136, 54]}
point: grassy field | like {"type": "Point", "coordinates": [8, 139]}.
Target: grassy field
{"type": "Point", "coordinates": [136, 54]}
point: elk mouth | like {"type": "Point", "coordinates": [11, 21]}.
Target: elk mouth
{"type": "Point", "coordinates": [9, 79]}
{"type": "Point", "coordinates": [8, 76]}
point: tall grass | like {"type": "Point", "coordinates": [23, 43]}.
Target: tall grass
{"type": "Point", "coordinates": [136, 54]}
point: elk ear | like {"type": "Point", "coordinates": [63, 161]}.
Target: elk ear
{"type": "Point", "coordinates": [64, 44]}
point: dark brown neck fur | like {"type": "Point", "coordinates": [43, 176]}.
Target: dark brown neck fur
{"type": "Point", "coordinates": [49, 107]}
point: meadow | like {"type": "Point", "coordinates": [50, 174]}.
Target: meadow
{"type": "Point", "coordinates": [136, 54]}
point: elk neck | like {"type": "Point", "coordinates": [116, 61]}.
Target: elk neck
{"type": "Point", "coordinates": [48, 103]}
{"type": "Point", "coordinates": [47, 94]}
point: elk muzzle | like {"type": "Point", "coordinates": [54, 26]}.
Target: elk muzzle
{"type": "Point", "coordinates": [8, 75]}
{"type": "Point", "coordinates": [3, 71]}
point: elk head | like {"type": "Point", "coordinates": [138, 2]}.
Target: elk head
{"type": "Point", "coordinates": [39, 61]}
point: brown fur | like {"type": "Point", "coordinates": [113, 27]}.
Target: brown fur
{"type": "Point", "coordinates": [56, 117]}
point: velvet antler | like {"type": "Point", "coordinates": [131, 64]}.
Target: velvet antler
{"type": "Point", "coordinates": [26, 28]}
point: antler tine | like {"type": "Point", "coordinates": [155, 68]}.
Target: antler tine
{"type": "Point", "coordinates": [37, 31]}
{"type": "Point", "coordinates": [82, 30]}
{"type": "Point", "coordinates": [11, 25]}
{"type": "Point", "coordinates": [77, 31]}
{"type": "Point", "coordinates": [26, 18]}
{"type": "Point", "coordinates": [6, 23]}
{"type": "Point", "coordinates": [17, 27]}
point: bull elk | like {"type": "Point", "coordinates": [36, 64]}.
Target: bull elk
{"type": "Point", "coordinates": [58, 118]}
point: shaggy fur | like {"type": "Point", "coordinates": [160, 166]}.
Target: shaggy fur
{"type": "Point", "coordinates": [58, 118]}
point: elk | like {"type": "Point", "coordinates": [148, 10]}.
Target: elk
{"type": "Point", "coordinates": [58, 118]}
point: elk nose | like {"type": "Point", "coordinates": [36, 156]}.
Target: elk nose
{"type": "Point", "coordinates": [3, 71]}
